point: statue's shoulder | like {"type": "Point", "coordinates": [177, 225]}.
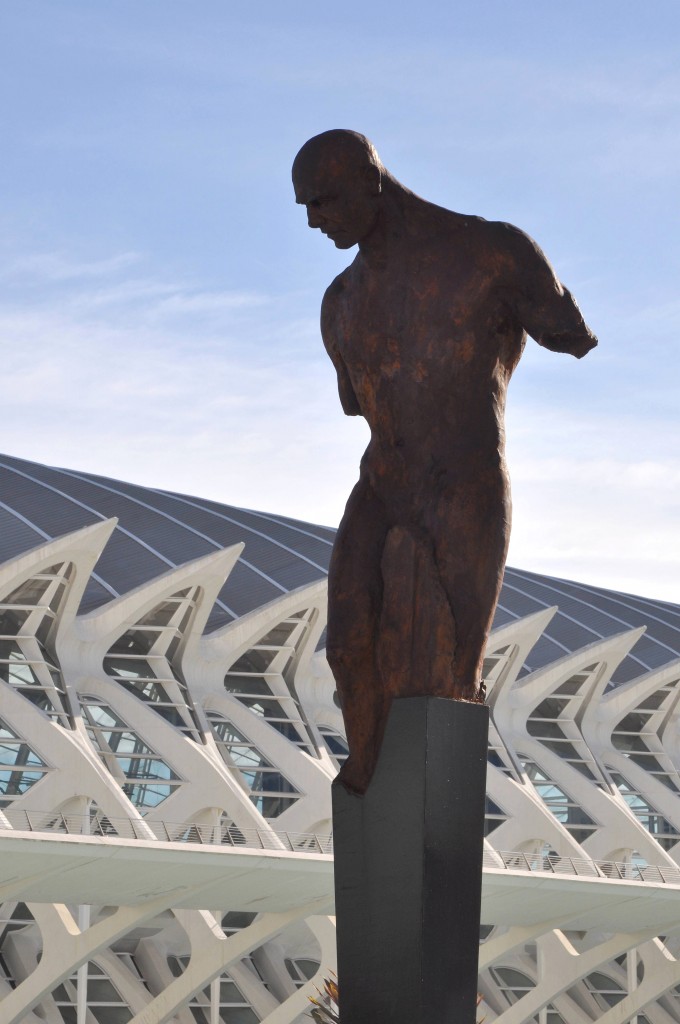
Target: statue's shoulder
{"type": "Point", "coordinates": [329, 303]}
{"type": "Point", "coordinates": [335, 289]}
{"type": "Point", "coordinates": [494, 236]}
{"type": "Point", "coordinates": [511, 240]}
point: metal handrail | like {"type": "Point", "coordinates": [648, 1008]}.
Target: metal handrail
{"type": "Point", "coordinates": [515, 860]}
{"type": "Point", "coordinates": [199, 833]}
{"type": "Point", "coordinates": [149, 830]}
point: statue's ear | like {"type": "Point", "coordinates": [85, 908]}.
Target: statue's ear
{"type": "Point", "coordinates": [373, 177]}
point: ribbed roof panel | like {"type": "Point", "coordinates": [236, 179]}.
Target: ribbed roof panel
{"type": "Point", "coordinates": [160, 529]}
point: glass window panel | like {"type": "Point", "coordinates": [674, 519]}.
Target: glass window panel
{"type": "Point", "coordinates": [270, 806]}
{"type": "Point", "coordinates": [12, 621]}
{"type": "Point", "coordinates": [40, 699]}
{"type": "Point", "coordinates": [629, 742]}
{"type": "Point", "coordinates": [278, 636]}
{"type": "Point", "coordinates": [11, 651]}
{"type": "Point", "coordinates": [634, 722]}
{"type": "Point", "coordinates": [251, 685]}
{"type": "Point", "coordinates": [162, 614]}
{"type": "Point", "coordinates": [254, 661]}
{"type": "Point", "coordinates": [307, 967]}
{"type": "Point", "coordinates": [100, 990]}
{"type": "Point", "coordinates": [509, 978]}
{"type": "Point", "coordinates": [57, 594]}
{"type": "Point", "coordinates": [19, 675]}
{"type": "Point", "coordinates": [125, 743]}
{"type": "Point", "coordinates": [135, 641]}
{"type": "Point", "coordinates": [547, 730]}
{"type": "Point", "coordinates": [102, 715]}
{"type": "Point", "coordinates": [235, 920]}
{"type": "Point", "coordinates": [336, 743]}
{"type": "Point", "coordinates": [238, 1015]}
{"type": "Point", "coordinates": [17, 783]}
{"type": "Point", "coordinates": [288, 730]}
{"type": "Point", "coordinates": [147, 690]}
{"type": "Point", "coordinates": [29, 592]}
{"type": "Point", "coordinates": [653, 701]}
{"type": "Point", "coordinates": [269, 708]}
{"type": "Point", "coordinates": [145, 768]}
{"type": "Point", "coordinates": [18, 754]}
{"type": "Point", "coordinates": [248, 757]}
{"type": "Point", "coordinates": [6, 733]}
{"type": "Point", "coordinates": [147, 795]}
{"type": "Point", "coordinates": [111, 1014]}
{"type": "Point", "coordinates": [570, 687]}
{"type": "Point", "coordinates": [268, 782]}
{"type": "Point", "coordinates": [130, 668]}
{"type": "Point", "coordinates": [226, 731]}
{"type": "Point", "coordinates": [549, 708]}
{"type": "Point", "coordinates": [172, 648]}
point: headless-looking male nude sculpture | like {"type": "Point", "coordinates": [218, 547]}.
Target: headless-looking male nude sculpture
{"type": "Point", "coordinates": [424, 329]}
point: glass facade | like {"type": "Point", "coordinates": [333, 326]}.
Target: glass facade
{"type": "Point", "coordinates": [20, 766]}
{"type": "Point", "coordinates": [268, 788]}
{"type": "Point", "coordinates": [27, 618]}
{"type": "Point", "coordinates": [145, 660]}
{"type": "Point", "coordinates": [262, 680]}
{"type": "Point", "coordinates": [567, 810]}
{"type": "Point", "coordinates": [145, 778]}
{"type": "Point", "coordinates": [636, 735]}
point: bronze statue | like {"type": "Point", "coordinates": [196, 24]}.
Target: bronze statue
{"type": "Point", "coordinates": [424, 329]}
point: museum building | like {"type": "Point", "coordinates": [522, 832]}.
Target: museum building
{"type": "Point", "coordinates": [169, 734]}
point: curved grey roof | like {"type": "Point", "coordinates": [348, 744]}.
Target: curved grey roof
{"type": "Point", "coordinates": [159, 530]}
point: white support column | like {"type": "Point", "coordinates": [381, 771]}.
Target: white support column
{"type": "Point", "coordinates": [84, 914]}
{"type": "Point", "coordinates": [631, 971]}
{"type": "Point", "coordinates": [215, 985]}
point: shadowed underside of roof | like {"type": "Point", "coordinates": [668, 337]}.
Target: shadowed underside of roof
{"type": "Point", "coordinates": [159, 530]}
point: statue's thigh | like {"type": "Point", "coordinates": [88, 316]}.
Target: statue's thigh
{"type": "Point", "coordinates": [354, 577]}
{"type": "Point", "coordinates": [470, 534]}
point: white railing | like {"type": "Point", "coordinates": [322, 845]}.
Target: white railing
{"type": "Point", "coordinates": [148, 829]}
{"type": "Point", "coordinates": [197, 833]}
{"type": "Point", "coordinates": [582, 867]}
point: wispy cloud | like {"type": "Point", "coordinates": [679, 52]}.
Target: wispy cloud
{"type": "Point", "coordinates": [230, 395]}
{"type": "Point", "coordinates": [157, 381]}
{"type": "Point", "coordinates": [58, 266]}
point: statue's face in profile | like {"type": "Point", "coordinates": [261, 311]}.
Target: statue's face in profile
{"type": "Point", "coordinates": [342, 202]}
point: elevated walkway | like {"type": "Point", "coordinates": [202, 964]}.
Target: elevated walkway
{"type": "Point", "coordinates": [197, 866]}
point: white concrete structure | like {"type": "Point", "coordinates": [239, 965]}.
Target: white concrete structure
{"type": "Point", "coordinates": [167, 754]}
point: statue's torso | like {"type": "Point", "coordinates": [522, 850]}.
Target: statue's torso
{"type": "Point", "coordinates": [429, 346]}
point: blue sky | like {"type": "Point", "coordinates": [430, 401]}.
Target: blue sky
{"type": "Point", "coordinates": [159, 289]}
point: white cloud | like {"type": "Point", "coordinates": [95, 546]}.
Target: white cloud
{"type": "Point", "coordinates": [230, 396]}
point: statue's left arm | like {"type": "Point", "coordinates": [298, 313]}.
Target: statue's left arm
{"type": "Point", "coordinates": [542, 305]}
{"type": "Point", "coordinates": [348, 399]}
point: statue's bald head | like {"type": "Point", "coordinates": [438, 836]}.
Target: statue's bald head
{"type": "Point", "coordinates": [339, 150]}
{"type": "Point", "coordinates": [338, 176]}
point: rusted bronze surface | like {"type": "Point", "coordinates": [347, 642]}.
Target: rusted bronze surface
{"type": "Point", "coordinates": [424, 328]}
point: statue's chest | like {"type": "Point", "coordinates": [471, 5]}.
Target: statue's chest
{"type": "Point", "coordinates": [420, 307]}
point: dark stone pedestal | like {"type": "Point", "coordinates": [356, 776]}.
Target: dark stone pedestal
{"type": "Point", "coordinates": [408, 869]}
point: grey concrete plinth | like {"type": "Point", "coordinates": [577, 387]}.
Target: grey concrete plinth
{"type": "Point", "coordinates": [408, 869]}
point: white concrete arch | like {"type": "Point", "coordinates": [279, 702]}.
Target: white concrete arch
{"type": "Point", "coordinates": [522, 634]}
{"type": "Point", "coordinates": [567, 967]}
{"type": "Point", "coordinates": [205, 779]}
{"type": "Point", "coordinates": [93, 634]}
{"type": "Point", "coordinates": [209, 958]}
